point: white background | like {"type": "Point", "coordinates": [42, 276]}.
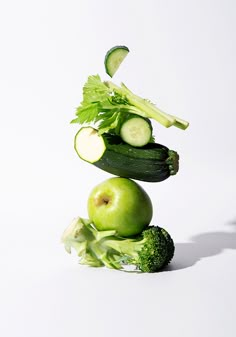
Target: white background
{"type": "Point", "coordinates": [182, 56]}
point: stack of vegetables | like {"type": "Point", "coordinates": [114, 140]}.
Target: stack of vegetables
{"type": "Point", "coordinates": [117, 137]}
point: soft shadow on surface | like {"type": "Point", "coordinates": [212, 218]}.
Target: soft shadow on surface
{"type": "Point", "coordinates": [201, 246]}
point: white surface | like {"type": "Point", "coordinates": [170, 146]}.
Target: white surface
{"type": "Point", "coordinates": [182, 57]}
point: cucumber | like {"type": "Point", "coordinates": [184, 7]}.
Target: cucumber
{"type": "Point", "coordinates": [114, 57]}
{"type": "Point", "coordinates": [136, 130]}
{"type": "Point", "coordinates": [153, 162]}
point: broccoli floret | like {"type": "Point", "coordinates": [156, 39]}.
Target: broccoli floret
{"type": "Point", "coordinates": [149, 252]}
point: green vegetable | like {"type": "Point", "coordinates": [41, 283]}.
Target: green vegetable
{"type": "Point", "coordinates": [136, 130]}
{"type": "Point", "coordinates": [149, 252]}
{"type": "Point", "coordinates": [114, 57]}
{"type": "Point", "coordinates": [104, 105]}
{"type": "Point", "coordinates": [153, 162]}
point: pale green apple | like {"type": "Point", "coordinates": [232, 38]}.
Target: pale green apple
{"type": "Point", "coordinates": [120, 204]}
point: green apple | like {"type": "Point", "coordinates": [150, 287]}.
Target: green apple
{"type": "Point", "coordinates": [120, 204]}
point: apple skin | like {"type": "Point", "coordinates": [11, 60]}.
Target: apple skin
{"type": "Point", "coordinates": [120, 204]}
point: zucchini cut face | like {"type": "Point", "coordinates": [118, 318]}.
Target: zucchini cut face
{"type": "Point", "coordinates": [89, 145]}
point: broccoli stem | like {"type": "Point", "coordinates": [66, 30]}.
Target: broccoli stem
{"type": "Point", "coordinates": [148, 252]}
{"type": "Point", "coordinates": [128, 247]}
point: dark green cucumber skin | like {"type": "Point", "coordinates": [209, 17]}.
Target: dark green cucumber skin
{"type": "Point", "coordinates": [151, 163]}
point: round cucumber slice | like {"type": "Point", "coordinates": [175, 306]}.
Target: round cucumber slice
{"type": "Point", "coordinates": [136, 131]}
{"type": "Point", "coordinates": [114, 57]}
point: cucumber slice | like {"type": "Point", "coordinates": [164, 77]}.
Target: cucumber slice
{"type": "Point", "coordinates": [89, 145]}
{"type": "Point", "coordinates": [114, 57]}
{"type": "Point", "coordinates": [136, 130]}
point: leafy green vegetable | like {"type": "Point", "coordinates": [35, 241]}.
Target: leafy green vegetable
{"type": "Point", "coordinates": [148, 252]}
{"type": "Point", "coordinates": [106, 104]}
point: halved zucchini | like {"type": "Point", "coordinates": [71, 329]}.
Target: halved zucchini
{"type": "Point", "coordinates": [153, 162]}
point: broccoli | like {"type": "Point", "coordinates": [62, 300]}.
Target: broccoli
{"type": "Point", "coordinates": [149, 252]}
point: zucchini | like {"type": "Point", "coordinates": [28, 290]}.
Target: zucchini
{"type": "Point", "coordinates": [136, 130]}
{"type": "Point", "coordinates": [153, 162]}
{"type": "Point", "coordinates": [114, 57]}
